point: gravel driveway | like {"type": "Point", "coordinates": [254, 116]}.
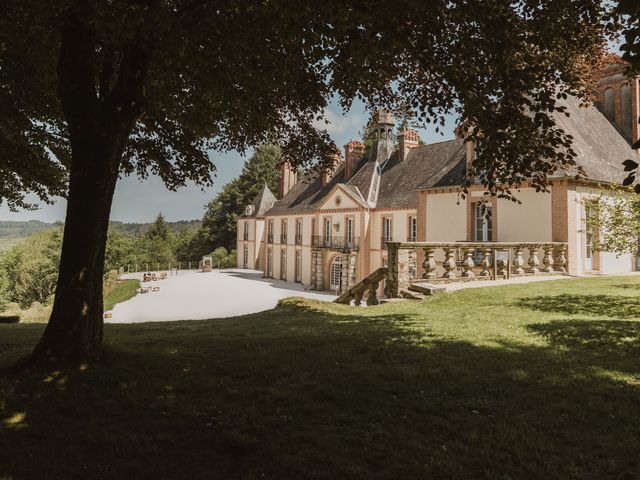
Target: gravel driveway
{"type": "Point", "coordinates": [192, 295]}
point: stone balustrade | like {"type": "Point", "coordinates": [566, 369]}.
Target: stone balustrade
{"type": "Point", "coordinates": [464, 261]}
{"type": "Point", "coordinates": [368, 286]}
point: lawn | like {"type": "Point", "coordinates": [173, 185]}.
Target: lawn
{"type": "Point", "coordinates": [518, 382]}
{"type": "Point", "coordinates": [121, 292]}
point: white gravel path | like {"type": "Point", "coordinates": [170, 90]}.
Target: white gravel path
{"type": "Point", "coordinates": [191, 295]}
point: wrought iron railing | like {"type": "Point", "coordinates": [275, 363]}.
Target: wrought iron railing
{"type": "Point", "coordinates": [383, 242]}
{"type": "Point", "coordinates": [336, 243]}
{"type": "Point", "coordinates": [298, 239]}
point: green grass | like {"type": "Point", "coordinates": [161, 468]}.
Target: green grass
{"type": "Point", "coordinates": [518, 382]}
{"type": "Point", "coordinates": [121, 292]}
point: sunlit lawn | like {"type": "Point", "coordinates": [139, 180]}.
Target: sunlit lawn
{"type": "Point", "coordinates": [519, 382]}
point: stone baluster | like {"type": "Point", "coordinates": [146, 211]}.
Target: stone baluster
{"type": "Point", "coordinates": [468, 263]}
{"type": "Point", "coordinates": [485, 263]}
{"type": "Point", "coordinates": [534, 261]}
{"type": "Point", "coordinates": [518, 260]}
{"type": "Point", "coordinates": [357, 298]}
{"type": "Point", "coordinates": [547, 261]}
{"type": "Point", "coordinates": [429, 263]}
{"type": "Point", "coordinates": [372, 296]}
{"type": "Point", "coordinates": [449, 263]}
{"type": "Point", "coordinates": [561, 259]}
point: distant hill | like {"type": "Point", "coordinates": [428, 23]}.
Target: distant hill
{"type": "Point", "coordinates": [12, 232]}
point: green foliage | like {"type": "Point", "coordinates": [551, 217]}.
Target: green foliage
{"type": "Point", "coordinates": [158, 229]}
{"type": "Point", "coordinates": [31, 268]}
{"type": "Point", "coordinates": [220, 219]}
{"type": "Point", "coordinates": [628, 14]}
{"type": "Point", "coordinates": [221, 258]}
{"type": "Point", "coordinates": [613, 221]}
{"type": "Point", "coordinates": [191, 244]}
{"type": "Point", "coordinates": [5, 293]}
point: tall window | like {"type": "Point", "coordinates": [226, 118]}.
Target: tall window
{"type": "Point", "coordinates": [413, 229]}
{"type": "Point", "coordinates": [588, 250]}
{"type": "Point", "coordinates": [483, 220]}
{"type": "Point", "coordinates": [609, 105]}
{"type": "Point", "coordinates": [270, 231]}
{"type": "Point", "coordinates": [283, 231]}
{"type": "Point", "coordinates": [270, 263]}
{"type": "Point", "coordinates": [327, 231]}
{"type": "Point", "coordinates": [350, 230]}
{"type": "Point", "coordinates": [335, 273]}
{"type": "Point", "coordinates": [387, 228]}
{"type": "Point", "coordinates": [299, 231]}
{"type": "Point", "coordinates": [246, 256]}
{"type": "Point", "coordinates": [625, 112]}
{"type": "Point", "coordinates": [298, 266]}
{"type": "Point", "coordinates": [283, 265]}
{"type": "Point", "coordinates": [387, 232]}
{"type": "Point", "coordinates": [246, 231]}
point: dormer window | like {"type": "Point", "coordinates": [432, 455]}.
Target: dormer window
{"type": "Point", "coordinates": [248, 211]}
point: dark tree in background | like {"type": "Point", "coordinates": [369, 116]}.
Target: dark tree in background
{"type": "Point", "coordinates": [219, 221]}
{"type": "Point", "coordinates": [91, 90]}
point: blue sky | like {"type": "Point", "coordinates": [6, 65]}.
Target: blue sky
{"type": "Point", "coordinates": [136, 201]}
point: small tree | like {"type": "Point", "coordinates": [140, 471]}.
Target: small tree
{"type": "Point", "coordinates": [613, 221]}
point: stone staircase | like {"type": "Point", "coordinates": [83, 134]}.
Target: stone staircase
{"type": "Point", "coordinates": [417, 290]}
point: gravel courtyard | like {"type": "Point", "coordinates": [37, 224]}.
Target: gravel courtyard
{"type": "Point", "coordinates": [193, 295]}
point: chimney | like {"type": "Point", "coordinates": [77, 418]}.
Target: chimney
{"type": "Point", "coordinates": [353, 152]}
{"type": "Point", "coordinates": [461, 132]}
{"type": "Point", "coordinates": [407, 139]}
{"type": "Point", "coordinates": [288, 178]}
{"type": "Point", "coordinates": [328, 174]}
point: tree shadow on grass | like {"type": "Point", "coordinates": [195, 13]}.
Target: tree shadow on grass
{"type": "Point", "coordinates": [313, 394]}
{"type": "Point", "coordinates": [628, 286]}
{"type": "Point", "coordinates": [596, 305]}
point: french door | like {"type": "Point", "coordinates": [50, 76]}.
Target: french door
{"type": "Point", "coordinates": [483, 220]}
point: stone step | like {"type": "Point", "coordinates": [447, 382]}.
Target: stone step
{"type": "Point", "coordinates": [426, 288]}
{"type": "Point", "coordinates": [412, 295]}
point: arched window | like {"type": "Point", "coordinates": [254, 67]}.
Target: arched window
{"type": "Point", "coordinates": [335, 273]}
{"type": "Point", "coordinates": [625, 111]}
{"type": "Point", "coordinates": [609, 105]}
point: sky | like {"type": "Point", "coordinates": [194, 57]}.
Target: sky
{"type": "Point", "coordinates": [140, 202]}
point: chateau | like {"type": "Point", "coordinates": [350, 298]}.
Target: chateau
{"type": "Point", "coordinates": [330, 231]}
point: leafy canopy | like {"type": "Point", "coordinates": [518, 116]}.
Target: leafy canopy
{"type": "Point", "coordinates": [190, 76]}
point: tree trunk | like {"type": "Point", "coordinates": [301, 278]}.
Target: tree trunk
{"type": "Point", "coordinates": [74, 331]}
{"type": "Point", "coordinates": [99, 126]}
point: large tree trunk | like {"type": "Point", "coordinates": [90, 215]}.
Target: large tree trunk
{"type": "Point", "coordinates": [74, 331]}
{"type": "Point", "coordinates": [99, 124]}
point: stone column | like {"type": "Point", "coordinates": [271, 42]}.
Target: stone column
{"type": "Point", "coordinates": [351, 281]}
{"type": "Point", "coordinates": [398, 270]}
{"type": "Point", "coordinates": [313, 284]}
{"type": "Point", "coordinates": [344, 273]}
{"type": "Point", "coordinates": [320, 270]}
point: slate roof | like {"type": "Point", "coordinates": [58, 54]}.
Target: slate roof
{"type": "Point", "coordinates": [600, 149]}
{"type": "Point", "coordinates": [262, 202]}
